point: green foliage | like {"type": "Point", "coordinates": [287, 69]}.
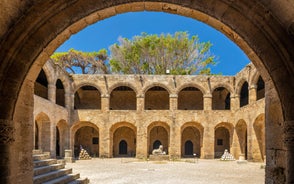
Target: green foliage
{"type": "Point", "coordinates": [75, 61]}
{"type": "Point", "coordinates": [154, 54]}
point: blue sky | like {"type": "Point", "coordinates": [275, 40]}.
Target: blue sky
{"type": "Point", "coordinates": [231, 59]}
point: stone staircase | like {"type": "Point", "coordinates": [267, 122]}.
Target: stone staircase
{"type": "Point", "coordinates": [53, 171]}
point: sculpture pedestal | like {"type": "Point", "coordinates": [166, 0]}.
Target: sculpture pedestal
{"type": "Point", "coordinates": [158, 157]}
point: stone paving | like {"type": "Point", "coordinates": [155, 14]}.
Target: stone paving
{"type": "Point", "coordinates": [185, 171]}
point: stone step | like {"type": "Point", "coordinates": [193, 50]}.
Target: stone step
{"type": "Point", "coordinates": [40, 163]}
{"type": "Point", "coordinates": [37, 151]}
{"type": "Point", "coordinates": [51, 175]}
{"type": "Point", "coordinates": [46, 169]}
{"type": "Point", "coordinates": [80, 181]}
{"type": "Point", "coordinates": [41, 156]}
{"type": "Point", "coordinates": [63, 179]}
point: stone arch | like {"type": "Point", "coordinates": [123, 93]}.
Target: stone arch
{"type": "Point", "coordinates": [60, 93]}
{"type": "Point", "coordinates": [242, 131]}
{"type": "Point", "coordinates": [264, 32]}
{"type": "Point", "coordinates": [223, 138]}
{"type": "Point", "coordinates": [81, 84]}
{"type": "Point", "coordinates": [155, 84]}
{"type": "Point", "coordinates": [123, 98]}
{"type": "Point", "coordinates": [41, 85]}
{"type": "Point", "coordinates": [192, 131]}
{"type": "Point", "coordinates": [223, 85]}
{"type": "Point", "coordinates": [259, 131]}
{"type": "Point", "coordinates": [221, 99]}
{"type": "Point", "coordinates": [87, 97]}
{"type": "Point", "coordinates": [195, 85]}
{"type": "Point", "coordinates": [42, 121]}
{"type": "Point", "coordinates": [158, 131]}
{"type": "Point", "coordinates": [85, 134]}
{"type": "Point", "coordinates": [62, 141]}
{"type": "Point", "coordinates": [126, 132]}
{"type": "Point", "coordinates": [156, 98]}
{"type": "Point", "coordinates": [127, 84]}
{"type": "Point", "coordinates": [190, 98]}
{"type": "Point", "coordinates": [244, 94]}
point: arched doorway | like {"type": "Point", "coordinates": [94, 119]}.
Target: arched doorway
{"type": "Point", "coordinates": [43, 132]}
{"type": "Point", "coordinates": [222, 138]}
{"type": "Point", "coordinates": [158, 134]}
{"type": "Point", "coordinates": [189, 148]}
{"type": "Point", "coordinates": [123, 148]}
{"type": "Point", "coordinates": [191, 138]}
{"type": "Point", "coordinates": [62, 135]}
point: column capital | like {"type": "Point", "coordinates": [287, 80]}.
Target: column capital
{"type": "Point", "coordinates": [207, 96]}
{"type": "Point", "coordinates": [173, 96]}
{"type": "Point", "coordinates": [105, 96]}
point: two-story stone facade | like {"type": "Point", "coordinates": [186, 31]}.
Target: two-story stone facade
{"type": "Point", "coordinates": [130, 115]}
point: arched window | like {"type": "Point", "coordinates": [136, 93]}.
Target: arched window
{"type": "Point", "coordinates": [157, 98]}
{"type": "Point", "coordinates": [221, 99]}
{"type": "Point", "coordinates": [41, 85]}
{"type": "Point", "coordinates": [87, 97]}
{"type": "Point", "coordinates": [123, 147]}
{"type": "Point", "coordinates": [244, 95]}
{"type": "Point", "coordinates": [123, 98]}
{"type": "Point", "coordinates": [260, 93]}
{"type": "Point", "coordinates": [60, 94]}
{"type": "Point", "coordinates": [190, 98]}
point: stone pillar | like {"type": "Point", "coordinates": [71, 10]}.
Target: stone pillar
{"type": "Point", "coordinates": [140, 103]}
{"type": "Point", "coordinates": [289, 142]}
{"type": "Point", "coordinates": [235, 102]}
{"type": "Point", "coordinates": [175, 141]}
{"type": "Point", "coordinates": [105, 103]}
{"type": "Point", "coordinates": [52, 93]}
{"type": "Point", "coordinates": [141, 144]}
{"type": "Point", "coordinates": [69, 98]}
{"type": "Point", "coordinates": [207, 102]}
{"type": "Point", "coordinates": [207, 151]}
{"type": "Point", "coordinates": [173, 102]}
{"type": "Point", "coordinates": [235, 149]}
{"type": "Point", "coordinates": [252, 94]}
{"type": "Point", "coordinates": [104, 143]}
{"type": "Point", "coordinates": [68, 156]}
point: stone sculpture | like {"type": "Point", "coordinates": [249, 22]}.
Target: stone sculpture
{"type": "Point", "coordinates": [159, 151]}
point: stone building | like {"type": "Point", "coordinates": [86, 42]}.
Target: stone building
{"type": "Point", "coordinates": [130, 115]}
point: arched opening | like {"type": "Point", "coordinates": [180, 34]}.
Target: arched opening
{"type": "Point", "coordinates": [156, 144]}
{"type": "Point", "coordinates": [244, 93]}
{"type": "Point", "coordinates": [36, 135]}
{"type": "Point", "coordinates": [87, 97]}
{"type": "Point", "coordinates": [191, 134]}
{"type": "Point", "coordinates": [60, 93]}
{"type": "Point", "coordinates": [158, 134]}
{"type": "Point", "coordinates": [189, 148]}
{"type": "Point", "coordinates": [190, 98]}
{"type": "Point", "coordinates": [221, 99]}
{"type": "Point", "coordinates": [57, 148]}
{"type": "Point", "coordinates": [241, 130]}
{"type": "Point", "coordinates": [260, 93]}
{"type": "Point", "coordinates": [123, 98]}
{"type": "Point", "coordinates": [88, 138]}
{"type": "Point", "coordinates": [123, 147]}
{"type": "Point", "coordinates": [157, 98]}
{"type": "Point", "coordinates": [259, 130]}
{"type": "Point", "coordinates": [44, 126]}
{"type": "Point", "coordinates": [124, 140]}
{"type": "Point", "coordinates": [41, 85]}
{"type": "Point", "coordinates": [221, 141]}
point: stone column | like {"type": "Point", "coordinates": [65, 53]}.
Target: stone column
{"type": "Point", "coordinates": [105, 103]}
{"type": "Point", "coordinates": [140, 103]}
{"type": "Point", "coordinates": [69, 98]}
{"type": "Point", "coordinates": [175, 141]}
{"type": "Point", "coordinates": [141, 144]}
{"type": "Point", "coordinates": [104, 143]}
{"type": "Point", "coordinates": [207, 102]}
{"type": "Point", "coordinates": [52, 93]}
{"type": "Point", "coordinates": [235, 149]}
{"type": "Point", "coordinates": [207, 151]}
{"type": "Point", "coordinates": [173, 102]}
{"type": "Point", "coordinates": [235, 102]}
{"type": "Point", "coordinates": [252, 93]}
{"type": "Point", "coordinates": [289, 142]}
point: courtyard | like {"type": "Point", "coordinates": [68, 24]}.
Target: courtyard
{"type": "Point", "coordinates": [184, 171]}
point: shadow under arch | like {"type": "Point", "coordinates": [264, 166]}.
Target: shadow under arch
{"type": "Point", "coordinates": [269, 39]}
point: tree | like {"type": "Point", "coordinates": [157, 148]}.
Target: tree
{"type": "Point", "coordinates": [153, 54]}
{"type": "Point", "coordinates": [75, 61]}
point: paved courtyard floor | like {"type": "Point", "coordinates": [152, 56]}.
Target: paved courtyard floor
{"type": "Point", "coordinates": [186, 171]}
